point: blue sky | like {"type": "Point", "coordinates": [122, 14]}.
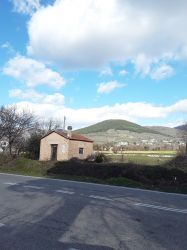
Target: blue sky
{"type": "Point", "coordinates": [92, 60]}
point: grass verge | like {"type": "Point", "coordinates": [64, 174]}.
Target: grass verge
{"type": "Point", "coordinates": [29, 167]}
{"type": "Point", "coordinates": [25, 166]}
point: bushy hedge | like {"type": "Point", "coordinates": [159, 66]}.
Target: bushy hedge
{"type": "Point", "coordinates": [152, 175]}
{"type": "Point", "coordinates": [4, 158]}
{"type": "Point", "coordinates": [179, 162]}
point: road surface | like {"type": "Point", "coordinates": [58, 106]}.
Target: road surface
{"type": "Point", "coordinates": [39, 213]}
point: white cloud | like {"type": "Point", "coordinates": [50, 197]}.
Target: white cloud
{"type": "Point", "coordinates": [104, 31]}
{"type": "Point", "coordinates": [123, 72]}
{"type": "Point", "coordinates": [132, 111]}
{"type": "Point", "coordinates": [178, 106]}
{"type": "Point", "coordinates": [7, 46]}
{"type": "Point", "coordinates": [32, 72]}
{"type": "Point", "coordinates": [55, 98]}
{"type": "Point", "coordinates": [161, 72]}
{"type": "Point", "coordinates": [107, 87]}
{"type": "Point", "coordinates": [142, 64]}
{"type": "Point", "coordinates": [26, 6]}
{"type": "Point", "coordinates": [32, 95]}
{"type": "Point", "coordinates": [107, 71]}
{"type": "Point", "coordinates": [155, 68]}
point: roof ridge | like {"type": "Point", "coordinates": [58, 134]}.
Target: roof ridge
{"type": "Point", "coordinates": [74, 137]}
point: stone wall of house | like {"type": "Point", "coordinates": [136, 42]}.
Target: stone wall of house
{"type": "Point", "coordinates": [66, 149]}
{"type": "Point", "coordinates": [74, 149]}
{"type": "Point", "coordinates": [45, 147]}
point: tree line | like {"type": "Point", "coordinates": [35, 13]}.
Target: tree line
{"type": "Point", "coordinates": [21, 131]}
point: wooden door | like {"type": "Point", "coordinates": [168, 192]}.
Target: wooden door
{"type": "Point", "coordinates": [54, 152]}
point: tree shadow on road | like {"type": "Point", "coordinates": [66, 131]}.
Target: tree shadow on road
{"type": "Point", "coordinates": [43, 218]}
{"type": "Point", "coordinates": [47, 220]}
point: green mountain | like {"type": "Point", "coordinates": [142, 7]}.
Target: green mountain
{"type": "Point", "coordinates": [115, 125]}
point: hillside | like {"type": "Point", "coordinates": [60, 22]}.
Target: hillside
{"type": "Point", "coordinates": [182, 127]}
{"type": "Point", "coordinates": [117, 131]}
{"type": "Point", "coordinates": [174, 132]}
{"type": "Point", "coordinates": [115, 125]}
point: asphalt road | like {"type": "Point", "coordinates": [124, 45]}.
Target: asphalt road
{"type": "Point", "coordinates": [39, 213]}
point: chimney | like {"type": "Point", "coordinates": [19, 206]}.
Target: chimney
{"type": "Point", "coordinates": [69, 131]}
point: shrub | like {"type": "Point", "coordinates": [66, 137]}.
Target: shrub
{"type": "Point", "coordinates": [100, 158]}
{"type": "Point", "coordinates": [33, 146]}
{"type": "Point", "coordinates": [179, 161]}
{"type": "Point", "coordinates": [4, 158]}
{"type": "Point", "coordinates": [150, 175]}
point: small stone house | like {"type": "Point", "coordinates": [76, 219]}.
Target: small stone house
{"type": "Point", "coordinates": [60, 145]}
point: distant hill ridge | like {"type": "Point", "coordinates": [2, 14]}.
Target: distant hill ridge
{"type": "Point", "coordinates": [166, 130]}
{"type": "Point", "coordinates": [116, 125]}
{"type": "Point", "coordinates": [182, 127]}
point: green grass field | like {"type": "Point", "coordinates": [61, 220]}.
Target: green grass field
{"type": "Point", "coordinates": [145, 152]}
{"type": "Point", "coordinates": [142, 157]}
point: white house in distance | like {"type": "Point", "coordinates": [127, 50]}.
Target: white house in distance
{"type": "Point", "coordinates": [63, 145]}
{"type": "Point", "coordinates": [3, 145]}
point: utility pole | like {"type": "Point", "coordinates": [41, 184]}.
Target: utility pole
{"type": "Point", "coordinates": [64, 127]}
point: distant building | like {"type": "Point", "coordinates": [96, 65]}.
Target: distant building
{"type": "Point", "coordinates": [122, 143]}
{"type": "Point", "coordinates": [60, 145]}
{"type": "Point", "coordinates": [144, 141]}
{"type": "Point", "coordinates": [3, 145]}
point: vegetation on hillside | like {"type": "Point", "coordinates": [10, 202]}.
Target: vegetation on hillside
{"type": "Point", "coordinates": [116, 125]}
{"type": "Point", "coordinates": [173, 132]}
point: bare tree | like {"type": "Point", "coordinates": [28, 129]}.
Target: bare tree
{"type": "Point", "coordinates": [41, 128]}
{"type": "Point", "coordinates": [3, 123]}
{"type": "Point", "coordinates": [20, 145]}
{"type": "Point", "coordinates": [14, 124]}
{"type": "Point", "coordinates": [44, 126]}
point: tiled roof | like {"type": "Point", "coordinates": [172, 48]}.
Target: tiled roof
{"type": "Point", "coordinates": [75, 137]}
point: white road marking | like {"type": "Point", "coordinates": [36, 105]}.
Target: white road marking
{"type": "Point", "coordinates": [35, 187]}
{"type": "Point", "coordinates": [184, 211]}
{"type": "Point", "coordinates": [100, 197]}
{"type": "Point", "coordinates": [2, 225]}
{"type": "Point", "coordinates": [64, 192]}
{"type": "Point", "coordinates": [10, 183]}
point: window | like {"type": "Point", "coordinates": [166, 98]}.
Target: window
{"type": "Point", "coordinates": [81, 151]}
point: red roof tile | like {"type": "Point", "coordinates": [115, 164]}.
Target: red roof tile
{"type": "Point", "coordinates": [75, 137]}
